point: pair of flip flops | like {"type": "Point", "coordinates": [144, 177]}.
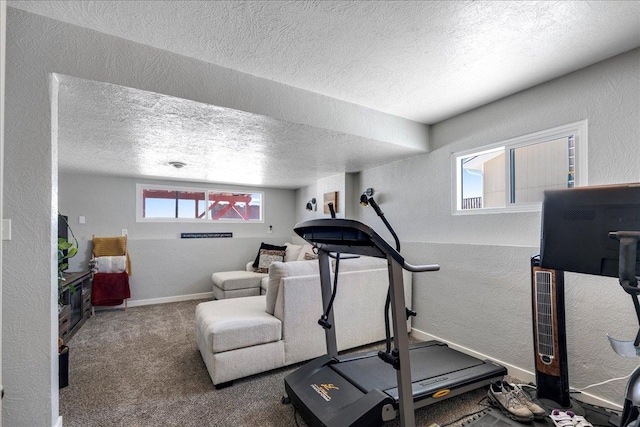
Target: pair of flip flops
{"type": "Point", "coordinates": [568, 419]}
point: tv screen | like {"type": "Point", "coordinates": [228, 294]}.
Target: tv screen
{"type": "Point", "coordinates": [63, 230]}
{"type": "Point", "coordinates": [576, 224]}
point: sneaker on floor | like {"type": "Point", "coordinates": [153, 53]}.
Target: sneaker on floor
{"type": "Point", "coordinates": [524, 398]}
{"type": "Point", "coordinates": [562, 418]}
{"type": "Point", "coordinates": [569, 418]}
{"type": "Point", "coordinates": [503, 396]}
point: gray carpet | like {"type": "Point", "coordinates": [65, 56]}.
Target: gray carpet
{"type": "Point", "coordinates": [142, 367]}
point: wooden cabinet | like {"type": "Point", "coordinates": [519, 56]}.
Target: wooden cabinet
{"type": "Point", "coordinates": [87, 309]}
{"type": "Point", "coordinates": [76, 303]}
{"type": "Point", "coordinates": [64, 322]}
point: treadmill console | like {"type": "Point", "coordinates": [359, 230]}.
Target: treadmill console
{"type": "Point", "coordinates": [346, 236]}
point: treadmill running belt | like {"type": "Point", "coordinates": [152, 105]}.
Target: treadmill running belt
{"type": "Point", "coordinates": [426, 362]}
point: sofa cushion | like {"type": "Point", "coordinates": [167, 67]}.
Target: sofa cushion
{"type": "Point", "coordinates": [230, 324]}
{"type": "Point", "coordinates": [234, 280]}
{"type": "Point", "coordinates": [278, 270]}
{"type": "Point", "coordinates": [264, 245]}
{"type": "Point", "coordinates": [362, 263]}
{"type": "Point", "coordinates": [230, 365]}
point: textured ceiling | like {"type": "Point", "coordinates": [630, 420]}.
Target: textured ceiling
{"type": "Point", "coordinates": [107, 129]}
{"type": "Point", "coordinates": [424, 61]}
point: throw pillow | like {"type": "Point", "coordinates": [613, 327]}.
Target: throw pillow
{"type": "Point", "coordinates": [267, 246]}
{"type": "Point", "coordinates": [305, 249]}
{"type": "Point", "coordinates": [293, 251]}
{"type": "Point", "coordinates": [309, 257]}
{"type": "Point", "coordinates": [268, 257]}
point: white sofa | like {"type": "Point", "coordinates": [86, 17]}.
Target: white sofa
{"type": "Point", "coordinates": [235, 284]}
{"type": "Point", "coordinates": [244, 336]}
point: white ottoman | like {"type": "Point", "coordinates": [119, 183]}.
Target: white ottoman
{"type": "Point", "coordinates": [238, 338]}
{"type": "Point", "coordinates": [234, 284]}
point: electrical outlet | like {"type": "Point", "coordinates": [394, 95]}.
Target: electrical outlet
{"type": "Point", "coordinates": [270, 229]}
{"type": "Point", "coordinates": [124, 232]}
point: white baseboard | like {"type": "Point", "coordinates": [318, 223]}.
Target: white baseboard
{"type": "Point", "coordinates": [58, 422]}
{"type": "Point", "coordinates": [512, 370]}
{"type": "Point", "coordinates": [152, 301]}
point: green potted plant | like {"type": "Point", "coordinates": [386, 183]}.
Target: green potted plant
{"type": "Point", "coordinates": [71, 249]}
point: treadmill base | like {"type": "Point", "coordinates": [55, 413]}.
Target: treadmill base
{"type": "Point", "coordinates": [361, 390]}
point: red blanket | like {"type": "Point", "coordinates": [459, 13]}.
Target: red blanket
{"type": "Point", "coordinates": [110, 288]}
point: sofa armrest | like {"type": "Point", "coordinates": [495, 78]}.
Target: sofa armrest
{"type": "Point", "coordinates": [249, 267]}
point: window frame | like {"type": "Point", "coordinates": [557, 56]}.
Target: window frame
{"type": "Point", "coordinates": [577, 129]}
{"type": "Point", "coordinates": [205, 219]}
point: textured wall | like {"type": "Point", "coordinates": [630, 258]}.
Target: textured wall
{"type": "Point", "coordinates": [348, 186]}
{"type": "Point", "coordinates": [329, 185]}
{"type": "Point", "coordinates": [38, 46]}
{"type": "Point", "coordinates": [30, 194]}
{"type": "Point", "coordinates": [303, 195]}
{"type": "Point", "coordinates": [3, 50]}
{"type": "Point", "coordinates": [352, 193]}
{"type": "Point", "coordinates": [164, 265]}
{"type": "Point", "coordinates": [606, 94]}
{"type": "Point", "coordinates": [480, 299]}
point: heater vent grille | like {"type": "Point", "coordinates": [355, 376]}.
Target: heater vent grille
{"type": "Point", "coordinates": [544, 316]}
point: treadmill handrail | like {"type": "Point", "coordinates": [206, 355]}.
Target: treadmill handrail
{"type": "Point", "coordinates": [420, 268]}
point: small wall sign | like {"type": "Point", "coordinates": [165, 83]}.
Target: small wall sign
{"type": "Point", "coordinates": [205, 235]}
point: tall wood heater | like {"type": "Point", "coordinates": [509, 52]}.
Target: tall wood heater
{"type": "Point", "coordinates": [549, 334]}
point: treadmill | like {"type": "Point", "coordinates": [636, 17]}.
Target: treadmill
{"type": "Point", "coordinates": [372, 388]}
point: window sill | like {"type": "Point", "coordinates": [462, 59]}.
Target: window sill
{"type": "Point", "coordinates": [530, 207]}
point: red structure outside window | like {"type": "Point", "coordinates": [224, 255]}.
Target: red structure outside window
{"type": "Point", "coordinates": [195, 204]}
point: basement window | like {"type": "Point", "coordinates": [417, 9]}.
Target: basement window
{"type": "Point", "coordinates": [510, 176]}
{"type": "Point", "coordinates": [179, 204]}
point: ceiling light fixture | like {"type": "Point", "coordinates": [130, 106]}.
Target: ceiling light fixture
{"type": "Point", "coordinates": [178, 165]}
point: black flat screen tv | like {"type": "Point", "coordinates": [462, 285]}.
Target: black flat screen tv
{"type": "Point", "coordinates": [576, 224]}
